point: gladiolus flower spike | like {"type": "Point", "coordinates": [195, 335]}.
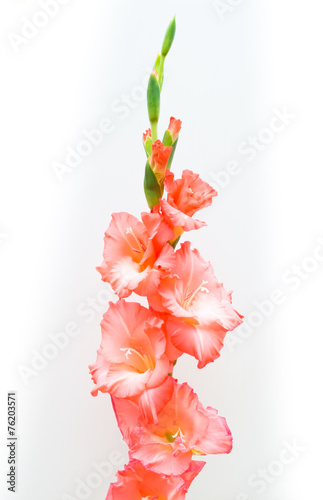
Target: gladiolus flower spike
{"type": "Point", "coordinates": [162, 421]}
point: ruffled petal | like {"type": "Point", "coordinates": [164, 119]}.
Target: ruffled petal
{"type": "Point", "coordinates": [202, 342]}
{"type": "Point", "coordinates": [218, 438]}
{"type": "Point", "coordinates": [160, 458]}
{"type": "Point", "coordinates": [178, 218]}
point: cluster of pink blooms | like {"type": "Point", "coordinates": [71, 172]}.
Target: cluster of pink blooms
{"type": "Point", "coordinates": [162, 421]}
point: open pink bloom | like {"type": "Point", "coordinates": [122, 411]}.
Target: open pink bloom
{"type": "Point", "coordinates": [159, 158]}
{"type": "Point", "coordinates": [185, 197]}
{"type": "Point", "coordinates": [131, 361]}
{"type": "Point", "coordinates": [199, 309]}
{"type": "Point", "coordinates": [138, 483]}
{"type": "Point", "coordinates": [174, 128]}
{"type": "Point", "coordinates": [184, 429]}
{"type": "Point", "coordinates": [136, 255]}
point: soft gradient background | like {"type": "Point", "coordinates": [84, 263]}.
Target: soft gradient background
{"type": "Point", "coordinates": [225, 77]}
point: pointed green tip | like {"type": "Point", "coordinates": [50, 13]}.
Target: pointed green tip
{"type": "Point", "coordinates": [169, 37]}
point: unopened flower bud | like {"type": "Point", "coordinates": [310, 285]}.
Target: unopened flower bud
{"type": "Point", "coordinates": [157, 64]}
{"type": "Point", "coordinates": [153, 98]}
{"type": "Point", "coordinates": [153, 190]}
{"type": "Point", "coordinates": [169, 37]}
{"type": "Point", "coordinates": [159, 160]}
{"type": "Point", "coordinates": [174, 128]}
{"type": "Point", "coordinates": [147, 140]}
{"type": "Point", "coordinates": [171, 137]}
{"type": "Point", "coordinates": [171, 134]}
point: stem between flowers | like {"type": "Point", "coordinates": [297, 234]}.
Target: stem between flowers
{"type": "Point", "coordinates": [161, 71]}
{"type": "Point", "coordinates": [154, 134]}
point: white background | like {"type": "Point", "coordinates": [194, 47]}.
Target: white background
{"type": "Point", "coordinates": [225, 77]}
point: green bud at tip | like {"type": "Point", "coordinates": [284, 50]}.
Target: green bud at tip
{"type": "Point", "coordinates": [153, 98]}
{"type": "Point", "coordinates": [169, 37]}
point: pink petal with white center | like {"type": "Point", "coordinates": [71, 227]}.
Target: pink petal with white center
{"type": "Point", "coordinates": [209, 309]}
{"type": "Point", "coordinates": [132, 355]}
{"type": "Point", "coordinates": [125, 244]}
{"type": "Point", "coordinates": [126, 275]}
{"type": "Point", "coordinates": [199, 308]}
{"type": "Point", "coordinates": [123, 381]}
{"type": "Point", "coordinates": [168, 444]}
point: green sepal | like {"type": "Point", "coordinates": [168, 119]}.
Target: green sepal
{"type": "Point", "coordinates": [169, 38]}
{"type": "Point", "coordinates": [167, 139]}
{"type": "Point", "coordinates": [152, 188]}
{"type": "Point", "coordinates": [147, 145]}
{"type": "Point", "coordinates": [174, 244]}
{"type": "Point", "coordinates": [170, 159]}
{"type": "Point", "coordinates": [153, 99]}
{"type": "Point", "coordinates": [157, 64]}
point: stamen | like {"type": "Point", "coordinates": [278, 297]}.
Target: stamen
{"type": "Point", "coordinates": [145, 358]}
{"type": "Point", "coordinates": [140, 245]}
{"type": "Point", "coordinates": [180, 434]}
{"type": "Point", "coordinates": [191, 296]}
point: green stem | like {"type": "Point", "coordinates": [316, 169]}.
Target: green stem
{"type": "Point", "coordinates": [154, 134]}
{"type": "Point", "coordinates": [161, 71]}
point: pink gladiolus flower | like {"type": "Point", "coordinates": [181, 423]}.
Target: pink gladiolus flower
{"type": "Point", "coordinates": [199, 309]}
{"type": "Point", "coordinates": [185, 197]}
{"type": "Point", "coordinates": [184, 429]}
{"type": "Point", "coordinates": [136, 255]}
{"type": "Point", "coordinates": [174, 128]}
{"type": "Point", "coordinates": [131, 361]}
{"type": "Point", "coordinates": [138, 483]}
{"type": "Point", "coordinates": [159, 158]}
{"type": "Point", "coordinates": [163, 422]}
